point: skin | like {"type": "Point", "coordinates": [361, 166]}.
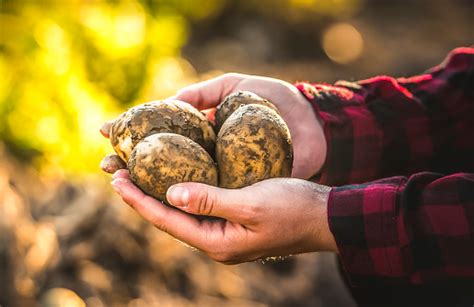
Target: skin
{"type": "Point", "coordinates": [274, 217]}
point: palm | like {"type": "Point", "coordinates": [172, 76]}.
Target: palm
{"type": "Point", "coordinates": [225, 233]}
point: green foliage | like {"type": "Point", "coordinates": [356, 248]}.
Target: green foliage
{"type": "Point", "coordinates": [68, 68]}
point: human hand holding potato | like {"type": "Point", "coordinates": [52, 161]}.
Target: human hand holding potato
{"type": "Point", "coordinates": [274, 217]}
{"type": "Point", "coordinates": [253, 143]}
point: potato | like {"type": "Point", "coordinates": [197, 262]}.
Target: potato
{"type": "Point", "coordinates": [163, 159]}
{"type": "Point", "coordinates": [253, 144]}
{"type": "Point", "coordinates": [234, 101]}
{"type": "Point", "coordinates": [160, 116]}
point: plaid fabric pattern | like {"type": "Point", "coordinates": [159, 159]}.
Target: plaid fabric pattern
{"type": "Point", "coordinates": [416, 225]}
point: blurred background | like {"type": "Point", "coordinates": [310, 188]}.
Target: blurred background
{"type": "Point", "coordinates": [67, 66]}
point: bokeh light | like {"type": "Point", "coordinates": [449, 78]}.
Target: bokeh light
{"type": "Point", "coordinates": [82, 64]}
{"type": "Point", "coordinates": [342, 43]}
{"type": "Point", "coordinates": [61, 297]}
{"type": "Point", "coordinates": [337, 8]}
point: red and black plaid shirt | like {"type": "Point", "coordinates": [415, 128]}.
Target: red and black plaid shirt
{"type": "Point", "coordinates": [401, 155]}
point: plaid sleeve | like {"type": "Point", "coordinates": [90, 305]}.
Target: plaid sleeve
{"type": "Point", "coordinates": [383, 127]}
{"type": "Point", "coordinates": [403, 230]}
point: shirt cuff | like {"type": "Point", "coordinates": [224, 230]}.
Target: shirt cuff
{"type": "Point", "coordinates": [363, 221]}
{"type": "Point", "coordinates": [354, 140]}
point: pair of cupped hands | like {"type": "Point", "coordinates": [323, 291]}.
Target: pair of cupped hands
{"type": "Point", "coordinates": [274, 217]}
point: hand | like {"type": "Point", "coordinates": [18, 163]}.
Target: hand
{"type": "Point", "coordinates": [306, 130]}
{"type": "Point", "coordinates": [275, 217]}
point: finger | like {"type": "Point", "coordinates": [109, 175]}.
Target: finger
{"type": "Point", "coordinates": [121, 173]}
{"type": "Point", "coordinates": [197, 198]}
{"type": "Point", "coordinates": [180, 225]}
{"type": "Point", "coordinates": [105, 129]}
{"type": "Point", "coordinates": [210, 114]}
{"type": "Point", "coordinates": [210, 93]}
{"type": "Point", "coordinates": [111, 163]}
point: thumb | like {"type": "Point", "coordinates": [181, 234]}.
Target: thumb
{"type": "Point", "coordinates": [208, 94]}
{"type": "Point", "coordinates": [201, 199]}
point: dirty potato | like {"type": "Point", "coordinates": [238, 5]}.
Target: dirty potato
{"type": "Point", "coordinates": [253, 144]}
{"type": "Point", "coordinates": [160, 116]}
{"type": "Point", "coordinates": [163, 159]}
{"type": "Point", "coordinates": [234, 101]}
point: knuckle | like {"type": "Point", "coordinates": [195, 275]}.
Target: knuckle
{"type": "Point", "coordinates": [253, 210]}
{"type": "Point", "coordinates": [129, 200]}
{"type": "Point", "coordinates": [162, 227]}
{"type": "Point", "coordinates": [158, 223]}
{"type": "Point", "coordinates": [229, 75]}
{"type": "Point", "coordinates": [232, 76]}
{"type": "Point", "coordinates": [205, 203]}
{"type": "Point", "coordinates": [251, 213]}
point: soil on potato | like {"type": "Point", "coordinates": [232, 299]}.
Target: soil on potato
{"type": "Point", "coordinates": [232, 102]}
{"type": "Point", "coordinates": [253, 144]}
{"type": "Point", "coordinates": [160, 116]}
{"type": "Point", "coordinates": [164, 159]}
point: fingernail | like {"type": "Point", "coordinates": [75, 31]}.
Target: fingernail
{"type": "Point", "coordinates": [116, 187]}
{"type": "Point", "coordinates": [178, 196]}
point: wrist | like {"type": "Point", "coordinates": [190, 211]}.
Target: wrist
{"type": "Point", "coordinates": [311, 147]}
{"type": "Point", "coordinates": [321, 237]}
{"type": "Point", "coordinates": [328, 241]}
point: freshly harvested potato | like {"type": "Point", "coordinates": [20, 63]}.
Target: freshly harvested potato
{"type": "Point", "coordinates": [160, 116]}
{"type": "Point", "coordinates": [163, 159]}
{"type": "Point", "coordinates": [234, 101]}
{"type": "Point", "coordinates": [253, 144]}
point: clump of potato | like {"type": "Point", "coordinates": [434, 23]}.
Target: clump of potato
{"type": "Point", "coordinates": [168, 142]}
{"type": "Point", "coordinates": [160, 116]}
